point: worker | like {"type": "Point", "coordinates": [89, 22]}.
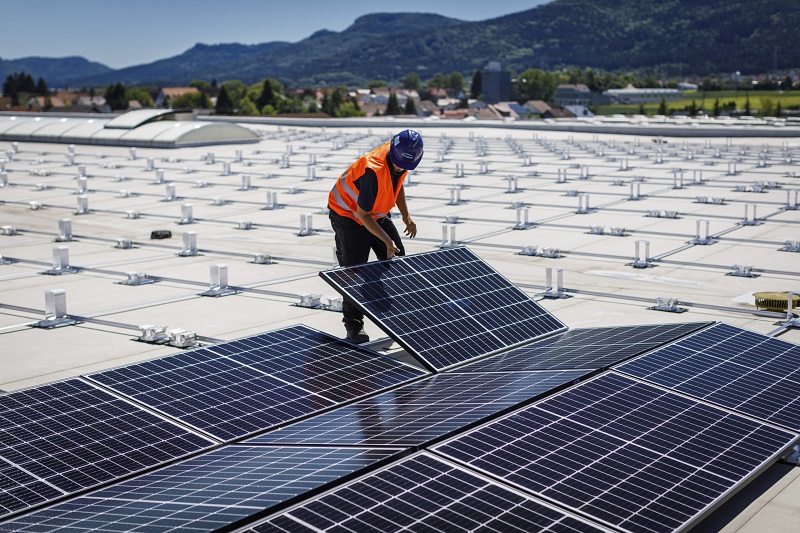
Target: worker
{"type": "Point", "coordinates": [360, 204]}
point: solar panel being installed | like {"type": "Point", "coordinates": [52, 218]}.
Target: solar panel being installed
{"type": "Point", "coordinates": [589, 348]}
{"type": "Point", "coordinates": [424, 493]}
{"type": "Point", "coordinates": [423, 411]}
{"type": "Point", "coordinates": [738, 369]}
{"type": "Point", "coordinates": [69, 436]}
{"type": "Point", "coordinates": [444, 307]}
{"type": "Point", "coordinates": [237, 388]}
{"type": "Point", "coordinates": [204, 493]}
{"type": "Point", "coordinates": [624, 452]}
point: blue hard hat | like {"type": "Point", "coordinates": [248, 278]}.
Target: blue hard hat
{"type": "Point", "coordinates": [405, 150]}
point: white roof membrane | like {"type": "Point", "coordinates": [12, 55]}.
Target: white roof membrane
{"type": "Point", "coordinates": [130, 129]}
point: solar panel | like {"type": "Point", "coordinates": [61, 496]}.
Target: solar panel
{"type": "Point", "coordinates": [238, 388]}
{"type": "Point", "coordinates": [444, 307]}
{"type": "Point", "coordinates": [744, 371]}
{"type": "Point", "coordinates": [20, 490]}
{"type": "Point", "coordinates": [318, 362]}
{"type": "Point", "coordinates": [424, 493]}
{"type": "Point", "coordinates": [624, 452]}
{"type": "Point", "coordinates": [206, 492]}
{"type": "Point", "coordinates": [590, 348]}
{"type": "Point", "coordinates": [423, 411]}
{"type": "Point", "coordinates": [64, 437]}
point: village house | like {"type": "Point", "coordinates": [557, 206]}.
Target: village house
{"type": "Point", "coordinates": [168, 94]}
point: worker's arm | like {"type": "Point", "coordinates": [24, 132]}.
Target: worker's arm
{"type": "Point", "coordinates": [366, 218]}
{"type": "Point", "coordinates": [411, 227]}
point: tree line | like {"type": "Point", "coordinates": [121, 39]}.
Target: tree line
{"type": "Point", "coordinates": [271, 97]}
{"type": "Point", "coordinates": [18, 83]}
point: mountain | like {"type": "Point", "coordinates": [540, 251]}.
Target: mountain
{"type": "Point", "coordinates": [54, 70]}
{"type": "Point", "coordinates": [202, 61]}
{"type": "Point", "coordinates": [665, 37]}
{"type": "Point", "coordinates": [302, 62]}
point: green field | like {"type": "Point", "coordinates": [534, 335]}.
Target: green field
{"type": "Point", "coordinates": [705, 101]}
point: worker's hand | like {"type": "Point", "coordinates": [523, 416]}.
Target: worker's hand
{"type": "Point", "coordinates": [391, 251]}
{"type": "Point", "coordinates": [411, 227]}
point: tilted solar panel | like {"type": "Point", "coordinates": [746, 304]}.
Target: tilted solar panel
{"type": "Point", "coordinates": [624, 452]}
{"type": "Point", "coordinates": [445, 307]}
{"type": "Point", "coordinates": [589, 348]}
{"type": "Point", "coordinates": [207, 492]}
{"type": "Point", "coordinates": [241, 387]}
{"type": "Point", "coordinates": [424, 493]}
{"type": "Point", "coordinates": [423, 411]}
{"type": "Point", "coordinates": [738, 369]}
{"type": "Point", "coordinates": [64, 437]}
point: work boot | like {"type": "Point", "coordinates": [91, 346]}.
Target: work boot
{"type": "Point", "coordinates": [355, 331]}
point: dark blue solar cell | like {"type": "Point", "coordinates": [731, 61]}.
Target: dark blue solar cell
{"type": "Point", "coordinates": [589, 348]}
{"type": "Point", "coordinates": [234, 389]}
{"type": "Point", "coordinates": [20, 490]}
{"type": "Point", "coordinates": [622, 451]}
{"type": "Point", "coordinates": [70, 435]}
{"type": "Point", "coordinates": [215, 394]}
{"type": "Point", "coordinates": [422, 411]}
{"type": "Point", "coordinates": [423, 493]}
{"type": "Point", "coordinates": [206, 492]}
{"type": "Point", "coordinates": [741, 370]}
{"type": "Point", "coordinates": [84, 514]}
{"type": "Point", "coordinates": [445, 307]}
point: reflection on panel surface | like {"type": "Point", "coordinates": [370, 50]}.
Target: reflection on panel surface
{"type": "Point", "coordinates": [206, 492]}
{"type": "Point", "coordinates": [241, 387]}
{"type": "Point", "coordinates": [422, 411]}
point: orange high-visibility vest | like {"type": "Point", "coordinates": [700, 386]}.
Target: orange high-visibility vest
{"type": "Point", "coordinates": [343, 197]}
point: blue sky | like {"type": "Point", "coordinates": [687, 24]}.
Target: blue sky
{"type": "Point", "coordinates": [122, 34]}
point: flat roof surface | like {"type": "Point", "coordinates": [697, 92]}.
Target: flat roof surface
{"type": "Point", "coordinates": [582, 201]}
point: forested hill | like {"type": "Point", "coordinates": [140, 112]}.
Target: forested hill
{"type": "Point", "coordinates": [664, 37]}
{"type": "Point", "coordinates": [56, 69]}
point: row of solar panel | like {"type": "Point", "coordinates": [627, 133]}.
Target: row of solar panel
{"type": "Point", "coordinates": [415, 414]}
{"type": "Point", "coordinates": [420, 413]}
{"type": "Point", "coordinates": [621, 452]}
{"type": "Point", "coordinates": [66, 437]}
{"type": "Point", "coordinates": [625, 453]}
{"type": "Point", "coordinates": [228, 392]}
{"type": "Point", "coordinates": [69, 436]}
